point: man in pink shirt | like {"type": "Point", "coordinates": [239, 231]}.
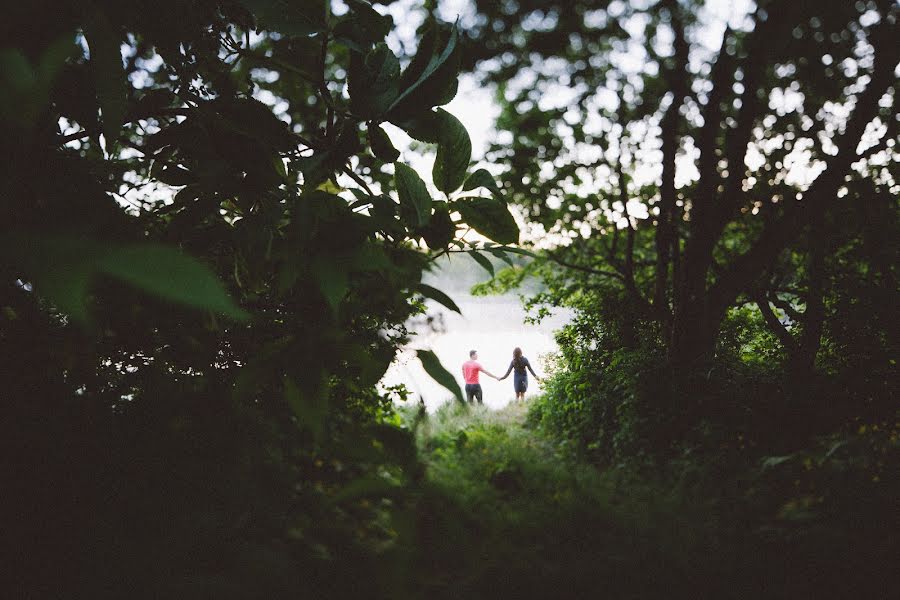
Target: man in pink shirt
{"type": "Point", "coordinates": [470, 371]}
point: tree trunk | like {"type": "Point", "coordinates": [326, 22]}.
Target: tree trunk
{"type": "Point", "coordinates": [694, 333]}
{"type": "Point", "coordinates": [804, 360]}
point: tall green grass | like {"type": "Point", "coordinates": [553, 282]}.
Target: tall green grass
{"type": "Point", "coordinates": [506, 511]}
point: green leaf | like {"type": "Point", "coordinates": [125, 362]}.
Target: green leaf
{"type": "Point", "coordinates": [454, 152]}
{"type": "Point", "coordinates": [514, 250]}
{"type": "Point", "coordinates": [25, 91]}
{"type": "Point", "coordinates": [481, 178]}
{"type": "Point", "coordinates": [424, 54]}
{"type": "Point", "coordinates": [438, 296]}
{"type": "Point", "coordinates": [60, 268]}
{"type": "Point", "coordinates": [441, 229]}
{"type": "Point", "coordinates": [436, 371]}
{"type": "Point", "coordinates": [381, 144]}
{"type": "Point", "coordinates": [169, 274]}
{"type": "Point", "coordinates": [253, 119]}
{"type": "Point", "coordinates": [413, 193]}
{"type": "Point", "coordinates": [333, 280]}
{"type": "Point", "coordinates": [482, 260]}
{"type": "Point", "coordinates": [308, 402]}
{"type": "Point", "coordinates": [501, 255]}
{"type": "Point", "coordinates": [489, 217]}
{"type": "Point", "coordinates": [437, 83]}
{"type": "Point", "coordinates": [362, 26]}
{"type": "Point", "coordinates": [63, 268]}
{"type": "Point", "coordinates": [105, 42]}
{"type": "Point", "coordinates": [373, 81]}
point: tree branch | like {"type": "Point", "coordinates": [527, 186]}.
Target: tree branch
{"type": "Point", "coordinates": [822, 194]}
{"type": "Point", "coordinates": [665, 230]}
{"type": "Point", "coordinates": [553, 256]}
{"type": "Point", "coordinates": [775, 325]}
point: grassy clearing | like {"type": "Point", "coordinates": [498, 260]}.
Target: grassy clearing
{"type": "Point", "coordinates": [506, 513]}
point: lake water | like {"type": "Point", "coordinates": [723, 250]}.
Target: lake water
{"type": "Point", "coordinates": [493, 325]}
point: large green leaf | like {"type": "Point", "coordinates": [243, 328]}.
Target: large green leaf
{"type": "Point", "coordinates": [424, 54]}
{"type": "Point", "coordinates": [436, 371]}
{"type": "Point", "coordinates": [454, 152]}
{"type": "Point", "coordinates": [438, 296]}
{"type": "Point", "coordinates": [436, 85]}
{"type": "Point", "coordinates": [441, 229]}
{"type": "Point", "coordinates": [25, 89]}
{"type": "Point", "coordinates": [169, 274]}
{"type": "Point", "coordinates": [373, 81]}
{"type": "Point", "coordinates": [413, 193]}
{"type": "Point", "coordinates": [333, 280]}
{"type": "Point", "coordinates": [489, 217]}
{"type": "Point", "coordinates": [63, 268]}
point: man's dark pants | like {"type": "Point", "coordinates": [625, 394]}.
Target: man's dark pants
{"type": "Point", "coordinates": [473, 390]}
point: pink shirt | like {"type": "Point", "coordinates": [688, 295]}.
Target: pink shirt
{"type": "Point", "coordinates": [470, 371]}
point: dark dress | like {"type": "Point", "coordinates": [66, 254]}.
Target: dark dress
{"type": "Point", "coordinates": [520, 375]}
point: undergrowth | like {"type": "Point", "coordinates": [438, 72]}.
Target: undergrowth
{"type": "Point", "coordinates": [508, 511]}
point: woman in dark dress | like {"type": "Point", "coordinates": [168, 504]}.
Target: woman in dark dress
{"type": "Point", "coordinates": [520, 377]}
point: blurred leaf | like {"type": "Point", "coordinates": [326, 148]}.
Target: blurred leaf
{"type": "Point", "coordinates": [501, 255]}
{"type": "Point", "coordinates": [412, 193]}
{"type": "Point", "coordinates": [454, 152]}
{"type": "Point", "coordinates": [169, 274]}
{"type": "Point", "coordinates": [308, 401]}
{"type": "Point", "coordinates": [514, 250]}
{"type": "Point", "coordinates": [63, 268]}
{"type": "Point", "coordinates": [25, 91]}
{"type": "Point", "coordinates": [489, 217]}
{"type": "Point", "coordinates": [436, 371]}
{"type": "Point", "coordinates": [438, 296]}
{"type": "Point", "coordinates": [398, 443]}
{"type": "Point", "coordinates": [333, 281]}
{"type": "Point", "coordinates": [483, 261]}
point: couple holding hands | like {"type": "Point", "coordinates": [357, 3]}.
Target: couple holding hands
{"type": "Point", "coordinates": [471, 368]}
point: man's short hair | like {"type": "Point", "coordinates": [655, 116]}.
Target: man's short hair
{"type": "Point", "coordinates": [472, 353]}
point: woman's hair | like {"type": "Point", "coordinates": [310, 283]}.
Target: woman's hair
{"type": "Point", "coordinates": [517, 356]}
